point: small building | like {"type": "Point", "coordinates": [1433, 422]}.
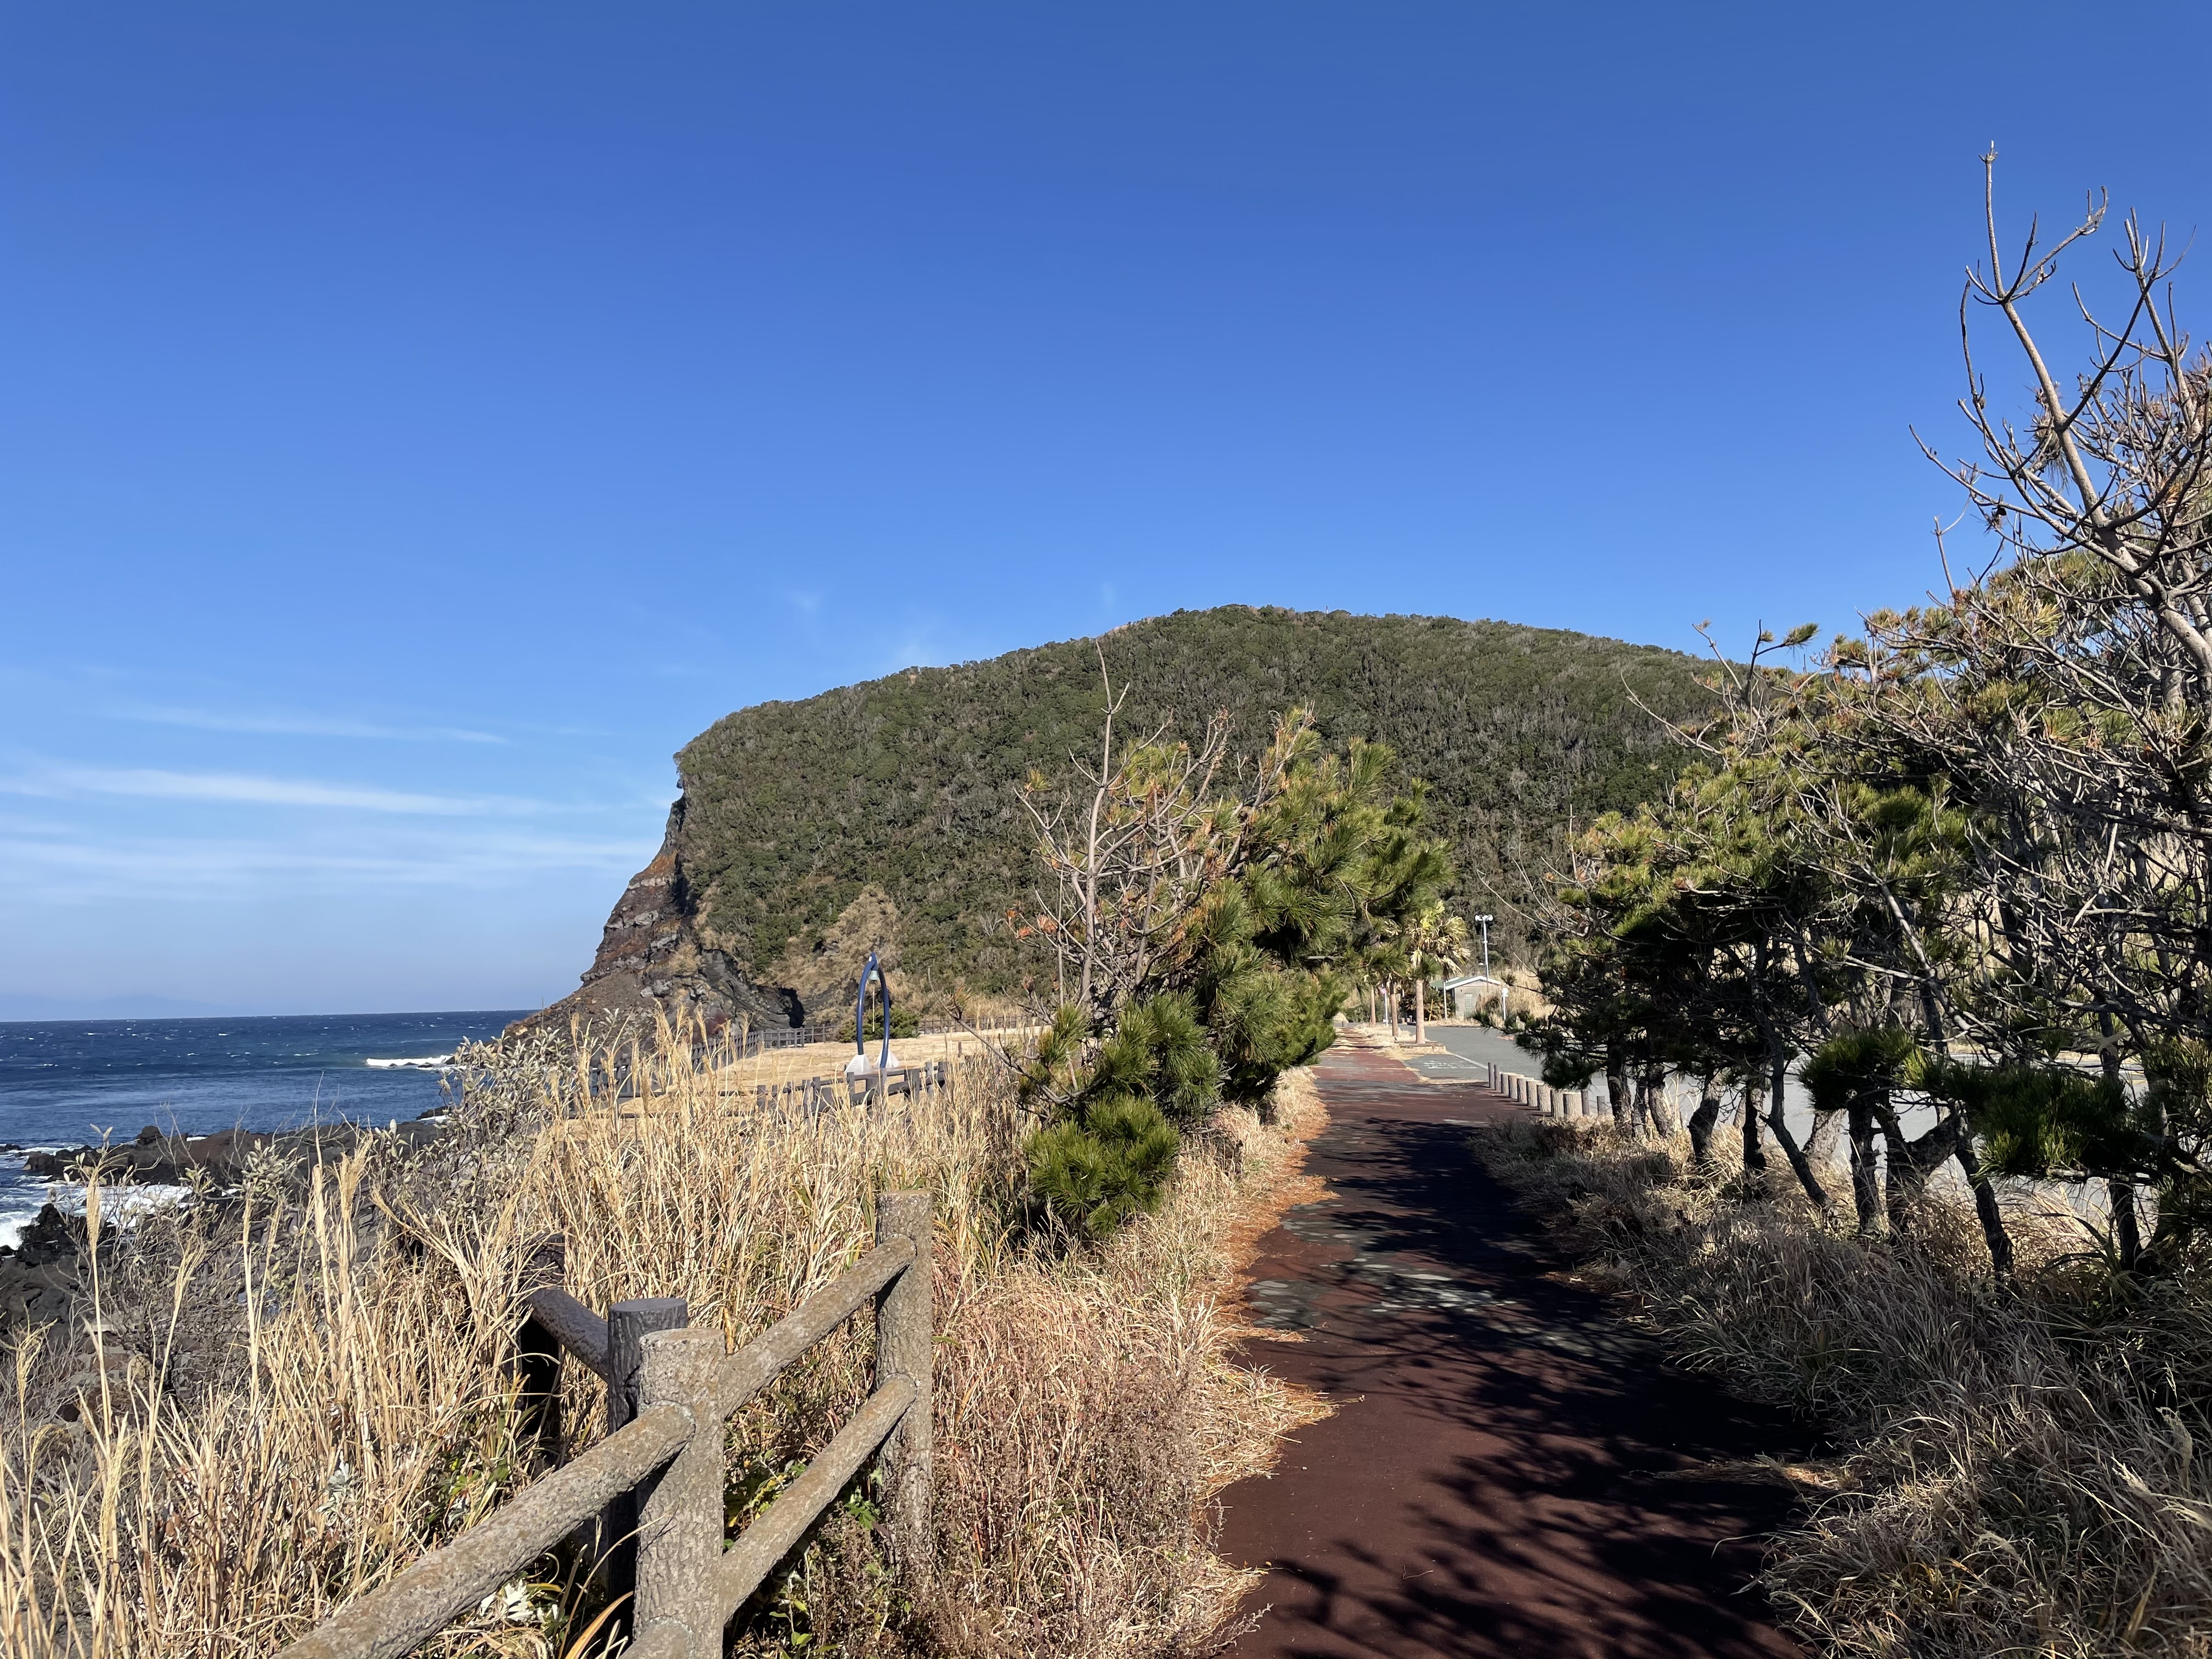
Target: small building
{"type": "Point", "coordinates": [1469, 991]}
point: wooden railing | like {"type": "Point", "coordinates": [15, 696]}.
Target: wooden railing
{"type": "Point", "coordinates": [753, 1039]}
{"type": "Point", "coordinates": [654, 1485]}
{"type": "Point", "coordinates": [823, 1094]}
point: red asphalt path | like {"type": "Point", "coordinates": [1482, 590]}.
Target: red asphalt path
{"type": "Point", "coordinates": [1510, 1469]}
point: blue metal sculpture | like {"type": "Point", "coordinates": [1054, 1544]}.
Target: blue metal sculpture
{"type": "Point", "coordinates": [874, 970]}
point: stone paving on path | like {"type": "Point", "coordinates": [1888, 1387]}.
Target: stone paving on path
{"type": "Point", "coordinates": [1510, 1469]}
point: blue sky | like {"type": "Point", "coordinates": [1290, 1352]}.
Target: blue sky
{"type": "Point", "coordinates": [419, 420]}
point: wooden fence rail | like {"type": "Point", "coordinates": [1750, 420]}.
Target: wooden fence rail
{"type": "Point", "coordinates": [824, 1094]}
{"type": "Point", "coordinates": [654, 1485]}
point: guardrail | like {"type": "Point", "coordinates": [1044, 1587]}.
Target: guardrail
{"type": "Point", "coordinates": [654, 1485]}
{"type": "Point", "coordinates": [1547, 1101]}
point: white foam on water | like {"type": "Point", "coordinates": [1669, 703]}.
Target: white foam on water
{"type": "Point", "coordinates": [16, 1220]}
{"type": "Point", "coordinates": [21, 1198]}
{"type": "Point", "coordinates": [120, 1204]}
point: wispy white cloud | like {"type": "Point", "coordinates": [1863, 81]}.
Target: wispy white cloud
{"type": "Point", "coordinates": [285, 723]}
{"type": "Point", "coordinates": [918, 644]}
{"type": "Point", "coordinates": [244, 788]}
{"type": "Point", "coordinates": [72, 872]}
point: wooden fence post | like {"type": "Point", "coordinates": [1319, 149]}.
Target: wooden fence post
{"type": "Point", "coordinates": [537, 1360]}
{"type": "Point", "coordinates": [628, 1324]}
{"type": "Point", "coordinates": [905, 1339]}
{"type": "Point", "coordinates": [679, 1532]}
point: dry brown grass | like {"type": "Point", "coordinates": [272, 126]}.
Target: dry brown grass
{"type": "Point", "coordinates": [277, 1403]}
{"type": "Point", "coordinates": [2016, 1475]}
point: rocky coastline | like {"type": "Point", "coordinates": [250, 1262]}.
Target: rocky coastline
{"type": "Point", "coordinates": [41, 1274]}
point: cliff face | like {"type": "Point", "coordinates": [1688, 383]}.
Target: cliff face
{"type": "Point", "coordinates": [654, 955]}
{"type": "Point", "coordinates": [908, 789]}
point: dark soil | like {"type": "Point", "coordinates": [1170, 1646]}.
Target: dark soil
{"type": "Point", "coordinates": [1510, 1469]}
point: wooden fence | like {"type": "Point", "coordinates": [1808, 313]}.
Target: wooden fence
{"type": "Point", "coordinates": [654, 1486]}
{"type": "Point", "coordinates": [823, 1094]}
{"type": "Point", "coordinates": [751, 1040]}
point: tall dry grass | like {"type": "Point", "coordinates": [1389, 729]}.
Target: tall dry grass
{"type": "Point", "coordinates": [280, 1398]}
{"type": "Point", "coordinates": [2014, 1475]}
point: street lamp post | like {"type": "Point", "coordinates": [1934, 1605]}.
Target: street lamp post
{"type": "Point", "coordinates": [1484, 922]}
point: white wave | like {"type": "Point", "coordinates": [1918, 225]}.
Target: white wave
{"type": "Point", "coordinates": [16, 1220]}
{"type": "Point", "coordinates": [425, 1063]}
{"type": "Point", "coordinates": [19, 1207]}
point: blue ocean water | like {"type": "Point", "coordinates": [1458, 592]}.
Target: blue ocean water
{"type": "Point", "coordinates": [66, 1083]}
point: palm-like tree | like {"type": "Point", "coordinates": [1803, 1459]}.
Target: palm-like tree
{"type": "Point", "coordinates": [1428, 937]}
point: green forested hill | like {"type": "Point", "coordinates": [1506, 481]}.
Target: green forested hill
{"type": "Point", "coordinates": [910, 782]}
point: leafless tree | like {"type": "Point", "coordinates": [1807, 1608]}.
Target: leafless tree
{"type": "Point", "coordinates": [1147, 832]}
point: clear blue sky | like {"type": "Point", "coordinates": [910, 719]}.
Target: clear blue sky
{"type": "Point", "coordinates": [416, 422]}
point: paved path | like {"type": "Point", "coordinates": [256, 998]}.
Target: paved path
{"type": "Point", "coordinates": [1511, 1470]}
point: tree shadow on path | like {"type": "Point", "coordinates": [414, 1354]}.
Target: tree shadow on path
{"type": "Point", "coordinates": [1511, 1470]}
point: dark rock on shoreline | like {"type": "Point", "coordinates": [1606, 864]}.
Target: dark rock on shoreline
{"type": "Point", "coordinates": [156, 1159]}
{"type": "Point", "coordinates": [38, 1277]}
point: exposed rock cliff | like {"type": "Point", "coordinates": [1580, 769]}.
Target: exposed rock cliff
{"type": "Point", "coordinates": [654, 955]}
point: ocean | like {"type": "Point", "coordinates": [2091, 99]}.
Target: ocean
{"type": "Point", "coordinates": [66, 1083]}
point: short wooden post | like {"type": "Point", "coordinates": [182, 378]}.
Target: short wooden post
{"type": "Point", "coordinates": [537, 1360]}
{"type": "Point", "coordinates": [905, 1339]}
{"type": "Point", "coordinates": [679, 1531]}
{"type": "Point", "coordinates": [628, 1325]}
